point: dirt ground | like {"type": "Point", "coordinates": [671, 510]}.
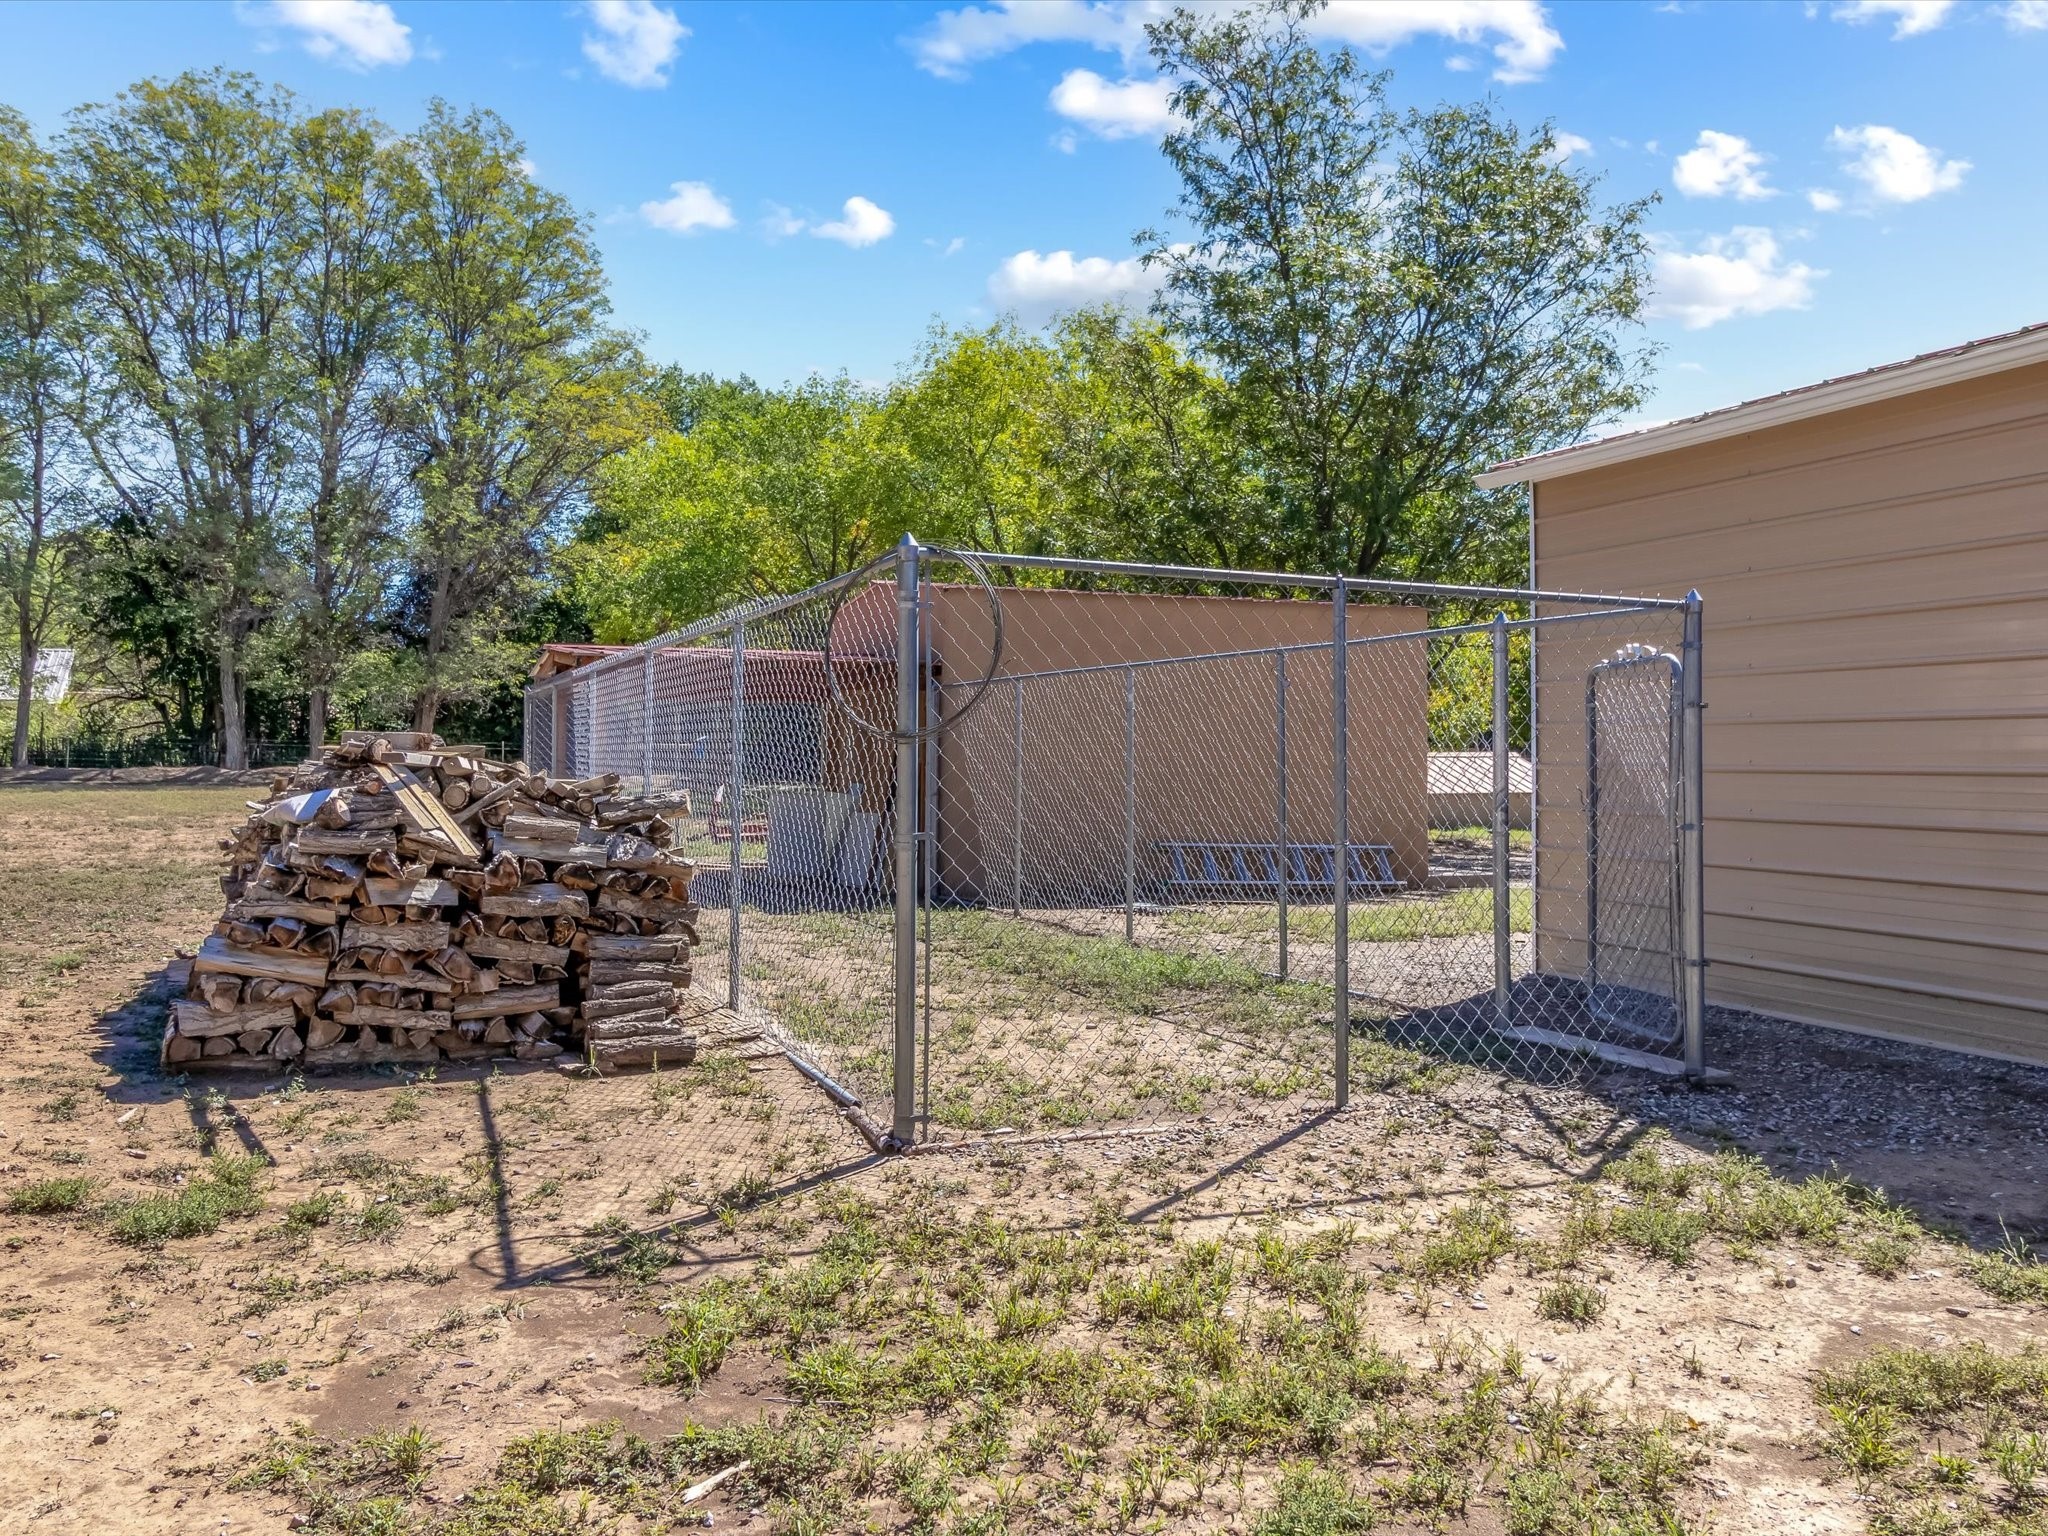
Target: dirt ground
{"type": "Point", "coordinates": [495, 1256]}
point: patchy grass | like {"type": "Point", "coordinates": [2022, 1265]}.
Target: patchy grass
{"type": "Point", "coordinates": [227, 1189]}
{"type": "Point", "coordinates": [1943, 1440]}
{"type": "Point", "coordinates": [950, 1372]}
{"type": "Point", "coordinates": [1571, 1301]}
{"type": "Point", "coordinates": [52, 1197]}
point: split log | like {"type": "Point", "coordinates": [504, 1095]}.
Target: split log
{"type": "Point", "coordinates": [655, 907]}
{"type": "Point", "coordinates": [411, 893]}
{"type": "Point", "coordinates": [196, 1021]}
{"type": "Point", "coordinates": [605, 972]}
{"type": "Point", "coordinates": [426, 937]}
{"type": "Point", "coordinates": [216, 954]}
{"type": "Point", "coordinates": [490, 947]}
{"type": "Point", "coordinates": [541, 900]}
{"type": "Point", "coordinates": [428, 1019]}
{"type": "Point", "coordinates": [606, 1007]}
{"type": "Point", "coordinates": [508, 1000]}
{"type": "Point", "coordinates": [638, 1040]}
{"type": "Point", "coordinates": [627, 946]}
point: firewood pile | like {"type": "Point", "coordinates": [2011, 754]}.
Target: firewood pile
{"type": "Point", "coordinates": [400, 900]}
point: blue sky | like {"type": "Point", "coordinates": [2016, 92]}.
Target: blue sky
{"type": "Point", "coordinates": [783, 188]}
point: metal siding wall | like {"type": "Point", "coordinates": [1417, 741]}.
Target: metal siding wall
{"type": "Point", "coordinates": [1877, 670]}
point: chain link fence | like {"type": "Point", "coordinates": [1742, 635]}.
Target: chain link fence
{"type": "Point", "coordinates": [991, 842]}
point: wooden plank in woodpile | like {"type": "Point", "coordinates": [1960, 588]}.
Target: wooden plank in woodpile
{"type": "Point", "coordinates": [217, 954]}
{"type": "Point", "coordinates": [545, 994]}
{"type": "Point", "coordinates": [655, 908]}
{"type": "Point", "coordinates": [195, 1020]}
{"type": "Point", "coordinates": [543, 900]}
{"type": "Point", "coordinates": [384, 892]}
{"type": "Point", "coordinates": [486, 946]}
{"type": "Point", "coordinates": [402, 1018]}
{"type": "Point", "coordinates": [427, 936]}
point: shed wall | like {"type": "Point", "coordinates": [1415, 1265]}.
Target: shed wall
{"type": "Point", "coordinates": [1205, 760]}
{"type": "Point", "coordinates": [1876, 586]}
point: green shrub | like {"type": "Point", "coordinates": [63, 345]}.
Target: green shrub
{"type": "Point", "coordinates": [50, 1197]}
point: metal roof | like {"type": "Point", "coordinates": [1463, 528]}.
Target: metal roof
{"type": "Point", "coordinates": [1930, 370]}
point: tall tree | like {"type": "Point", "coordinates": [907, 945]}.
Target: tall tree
{"type": "Point", "coordinates": [38, 395]}
{"type": "Point", "coordinates": [514, 390]}
{"type": "Point", "coordinates": [1394, 299]}
{"type": "Point", "coordinates": [184, 200]}
{"type": "Point", "coordinates": [343, 315]}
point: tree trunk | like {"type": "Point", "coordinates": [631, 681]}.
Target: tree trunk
{"type": "Point", "coordinates": [429, 702]}
{"type": "Point", "coordinates": [23, 696]}
{"type": "Point", "coordinates": [31, 631]}
{"type": "Point", "coordinates": [316, 721]}
{"type": "Point", "coordinates": [234, 748]}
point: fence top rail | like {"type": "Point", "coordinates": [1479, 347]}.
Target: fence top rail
{"type": "Point", "coordinates": [1318, 582]}
{"type": "Point", "coordinates": [730, 619]}
{"type": "Point", "coordinates": [1294, 647]}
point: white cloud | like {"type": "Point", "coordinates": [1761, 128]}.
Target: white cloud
{"type": "Point", "coordinates": [2025, 15]}
{"type": "Point", "coordinates": [528, 169]}
{"type": "Point", "coordinates": [1721, 165]}
{"type": "Point", "coordinates": [692, 205]}
{"type": "Point", "coordinates": [1523, 40]}
{"type": "Point", "coordinates": [1740, 273]}
{"type": "Point", "coordinates": [635, 41]}
{"type": "Point", "coordinates": [1822, 200]}
{"type": "Point", "coordinates": [1564, 145]}
{"type": "Point", "coordinates": [1518, 32]}
{"type": "Point", "coordinates": [360, 34]}
{"type": "Point", "coordinates": [779, 223]}
{"type": "Point", "coordinates": [1113, 109]}
{"type": "Point", "coordinates": [1038, 287]}
{"type": "Point", "coordinates": [861, 223]}
{"type": "Point", "coordinates": [1895, 166]}
{"type": "Point", "coordinates": [1908, 17]}
{"type": "Point", "coordinates": [955, 40]}
{"type": "Point", "coordinates": [945, 248]}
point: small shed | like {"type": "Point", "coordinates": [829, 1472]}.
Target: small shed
{"type": "Point", "coordinates": [1873, 555]}
{"type": "Point", "coordinates": [1461, 790]}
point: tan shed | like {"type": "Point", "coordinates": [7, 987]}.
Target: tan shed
{"type": "Point", "coordinates": [1873, 555]}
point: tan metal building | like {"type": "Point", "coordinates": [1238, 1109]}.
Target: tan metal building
{"type": "Point", "coordinates": [1873, 554]}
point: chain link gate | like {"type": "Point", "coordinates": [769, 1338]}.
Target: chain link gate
{"type": "Point", "coordinates": [995, 842]}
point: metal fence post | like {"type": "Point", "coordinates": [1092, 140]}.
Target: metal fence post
{"type": "Point", "coordinates": [1130, 805]}
{"type": "Point", "coordinates": [904, 840]}
{"type": "Point", "coordinates": [647, 723]}
{"type": "Point", "coordinates": [1340, 872]}
{"type": "Point", "coordinates": [1280, 792]}
{"type": "Point", "coordinates": [736, 813]}
{"type": "Point", "coordinates": [1017, 799]}
{"type": "Point", "coordinates": [1503, 964]}
{"type": "Point", "coordinates": [1692, 1001]}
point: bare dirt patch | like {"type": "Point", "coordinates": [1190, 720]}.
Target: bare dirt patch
{"type": "Point", "coordinates": [1466, 1303]}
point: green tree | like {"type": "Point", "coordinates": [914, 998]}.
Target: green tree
{"type": "Point", "coordinates": [39, 382]}
{"type": "Point", "coordinates": [1141, 441]}
{"type": "Point", "coordinates": [184, 202]}
{"type": "Point", "coordinates": [765, 491]}
{"type": "Point", "coordinates": [342, 311]}
{"type": "Point", "coordinates": [1394, 299]}
{"type": "Point", "coordinates": [513, 390]}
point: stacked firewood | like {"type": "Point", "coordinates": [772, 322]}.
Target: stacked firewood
{"type": "Point", "coordinates": [400, 900]}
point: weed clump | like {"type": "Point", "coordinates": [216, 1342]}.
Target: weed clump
{"type": "Point", "coordinates": [227, 1189]}
{"type": "Point", "coordinates": [50, 1197]}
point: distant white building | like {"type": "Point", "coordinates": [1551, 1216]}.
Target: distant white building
{"type": "Point", "coordinates": [53, 675]}
{"type": "Point", "coordinates": [1461, 789]}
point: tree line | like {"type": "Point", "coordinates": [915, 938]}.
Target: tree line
{"type": "Point", "coordinates": [303, 417]}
